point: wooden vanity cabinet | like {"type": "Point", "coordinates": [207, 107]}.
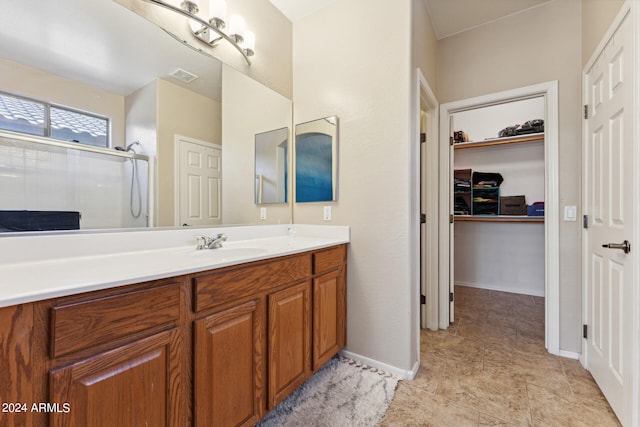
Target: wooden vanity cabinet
{"type": "Point", "coordinates": [218, 348]}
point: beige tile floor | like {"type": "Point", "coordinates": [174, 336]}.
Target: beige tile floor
{"type": "Point", "coordinates": [490, 368]}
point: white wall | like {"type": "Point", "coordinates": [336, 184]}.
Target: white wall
{"type": "Point", "coordinates": [486, 122]}
{"type": "Point", "coordinates": [424, 45]}
{"type": "Point", "coordinates": [345, 63]}
{"type": "Point", "coordinates": [501, 256]}
{"type": "Point", "coordinates": [597, 15]}
{"type": "Point", "coordinates": [248, 108]}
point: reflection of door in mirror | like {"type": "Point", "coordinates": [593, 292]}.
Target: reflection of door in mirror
{"type": "Point", "coordinates": [316, 160]}
{"type": "Point", "coordinates": [199, 182]}
{"type": "Point", "coordinates": [271, 166]}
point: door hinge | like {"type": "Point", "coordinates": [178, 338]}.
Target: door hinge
{"type": "Point", "coordinates": [450, 218]}
{"type": "Point", "coordinates": [585, 222]}
{"type": "Point", "coordinates": [584, 331]}
{"type": "Point", "coordinates": [450, 140]}
{"type": "Point", "coordinates": [423, 138]}
{"type": "Point", "coordinates": [450, 296]}
{"type": "Point", "coordinates": [423, 299]}
{"type": "Point", "coordinates": [586, 111]}
{"type": "Point", "coordinates": [423, 218]}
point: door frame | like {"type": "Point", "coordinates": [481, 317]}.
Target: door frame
{"type": "Point", "coordinates": [633, 8]}
{"type": "Point", "coordinates": [549, 90]}
{"type": "Point", "coordinates": [429, 247]}
{"type": "Point", "coordinates": [176, 170]}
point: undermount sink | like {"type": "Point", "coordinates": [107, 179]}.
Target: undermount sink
{"type": "Point", "coordinates": [237, 252]}
{"type": "Point", "coordinates": [229, 252]}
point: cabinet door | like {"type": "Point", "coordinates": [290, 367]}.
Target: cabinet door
{"type": "Point", "coordinates": [229, 367]}
{"type": "Point", "coordinates": [16, 367]}
{"type": "Point", "coordinates": [329, 316]}
{"type": "Point", "coordinates": [134, 385]}
{"type": "Point", "coordinates": [289, 340]}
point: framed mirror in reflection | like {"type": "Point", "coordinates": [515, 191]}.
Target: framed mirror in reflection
{"type": "Point", "coordinates": [99, 57]}
{"type": "Point", "coordinates": [316, 160]}
{"type": "Point", "coordinates": [272, 166]}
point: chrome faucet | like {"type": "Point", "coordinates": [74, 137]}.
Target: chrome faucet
{"type": "Point", "coordinates": [206, 242]}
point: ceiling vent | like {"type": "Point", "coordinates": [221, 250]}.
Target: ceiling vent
{"type": "Point", "coordinates": [183, 75]}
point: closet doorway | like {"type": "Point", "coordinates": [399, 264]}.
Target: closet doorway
{"type": "Point", "coordinates": [497, 228]}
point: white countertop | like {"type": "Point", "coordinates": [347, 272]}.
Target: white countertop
{"type": "Point", "coordinates": [34, 268]}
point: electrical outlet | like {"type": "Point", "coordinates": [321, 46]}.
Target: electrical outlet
{"type": "Point", "coordinates": [327, 213]}
{"type": "Point", "coordinates": [263, 214]}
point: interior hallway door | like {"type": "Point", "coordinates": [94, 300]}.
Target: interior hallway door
{"type": "Point", "coordinates": [199, 183]}
{"type": "Point", "coordinates": [610, 210]}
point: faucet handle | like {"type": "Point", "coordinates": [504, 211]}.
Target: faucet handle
{"type": "Point", "coordinates": [222, 237]}
{"type": "Point", "coordinates": [202, 241]}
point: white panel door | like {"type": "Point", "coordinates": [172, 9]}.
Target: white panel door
{"type": "Point", "coordinates": [609, 205]}
{"type": "Point", "coordinates": [200, 183]}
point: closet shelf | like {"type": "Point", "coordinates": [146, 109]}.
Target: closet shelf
{"type": "Point", "coordinates": [498, 218]}
{"type": "Point", "coordinates": [500, 141]}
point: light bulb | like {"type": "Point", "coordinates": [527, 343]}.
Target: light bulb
{"type": "Point", "coordinates": [218, 9]}
{"type": "Point", "coordinates": [249, 44]}
{"type": "Point", "coordinates": [237, 27]}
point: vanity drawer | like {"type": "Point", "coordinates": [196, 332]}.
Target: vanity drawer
{"type": "Point", "coordinates": [328, 260]}
{"type": "Point", "coordinates": [225, 286]}
{"type": "Point", "coordinates": [86, 324]}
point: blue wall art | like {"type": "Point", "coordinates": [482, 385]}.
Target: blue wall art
{"type": "Point", "coordinates": [316, 161]}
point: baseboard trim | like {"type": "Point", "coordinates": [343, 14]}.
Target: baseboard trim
{"type": "Point", "coordinates": [533, 292]}
{"type": "Point", "coordinates": [398, 372]}
{"type": "Point", "coordinates": [569, 354]}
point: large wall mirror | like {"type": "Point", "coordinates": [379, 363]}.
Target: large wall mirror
{"type": "Point", "coordinates": [317, 160]}
{"type": "Point", "coordinates": [164, 100]}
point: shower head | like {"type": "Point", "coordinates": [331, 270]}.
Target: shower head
{"type": "Point", "coordinates": [130, 146]}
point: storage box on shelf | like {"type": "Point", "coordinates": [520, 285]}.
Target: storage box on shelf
{"type": "Point", "coordinates": [486, 201]}
{"type": "Point", "coordinates": [537, 209]}
{"type": "Point", "coordinates": [462, 191]}
{"type": "Point", "coordinates": [486, 193]}
{"type": "Point", "coordinates": [513, 205]}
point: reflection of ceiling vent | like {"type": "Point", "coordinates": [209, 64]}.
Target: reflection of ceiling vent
{"type": "Point", "coordinates": [183, 75]}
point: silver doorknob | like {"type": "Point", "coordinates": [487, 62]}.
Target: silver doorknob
{"type": "Point", "coordinates": [625, 246]}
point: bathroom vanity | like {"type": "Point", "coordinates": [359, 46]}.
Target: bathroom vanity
{"type": "Point", "coordinates": [220, 344]}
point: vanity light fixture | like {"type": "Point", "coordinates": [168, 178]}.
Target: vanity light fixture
{"type": "Point", "coordinates": [211, 30]}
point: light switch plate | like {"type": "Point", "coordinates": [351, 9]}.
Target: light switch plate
{"type": "Point", "coordinates": [263, 214]}
{"type": "Point", "coordinates": [327, 213]}
{"type": "Point", "coordinates": [570, 213]}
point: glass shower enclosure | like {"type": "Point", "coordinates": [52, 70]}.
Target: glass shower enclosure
{"type": "Point", "coordinates": [47, 184]}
